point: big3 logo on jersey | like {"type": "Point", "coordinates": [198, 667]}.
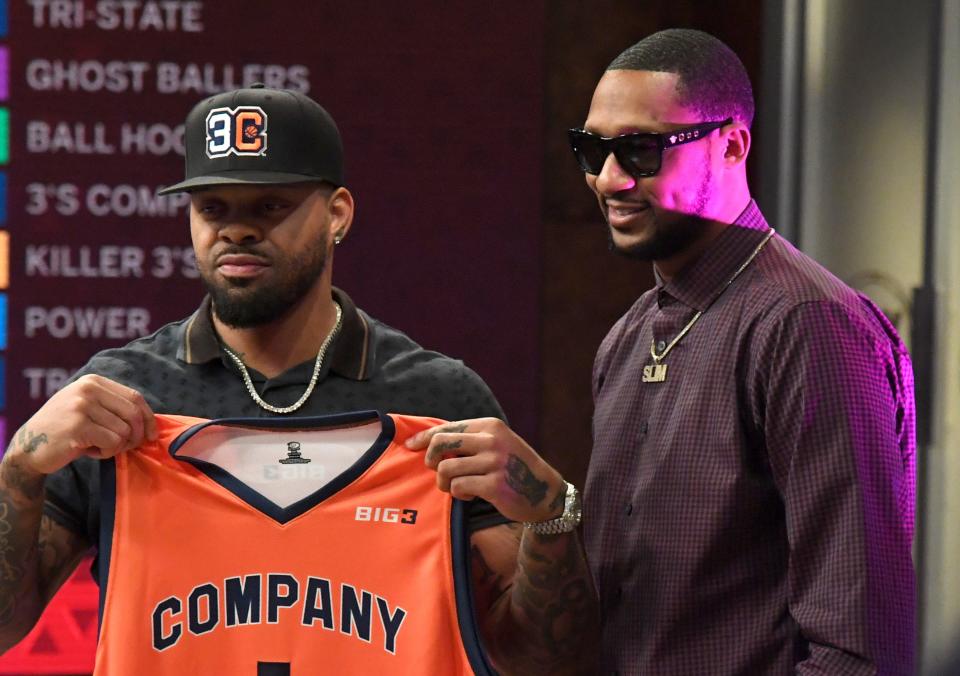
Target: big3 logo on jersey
{"type": "Point", "coordinates": [237, 131]}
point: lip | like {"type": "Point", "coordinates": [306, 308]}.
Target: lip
{"type": "Point", "coordinates": [241, 265]}
{"type": "Point", "coordinates": [621, 215]}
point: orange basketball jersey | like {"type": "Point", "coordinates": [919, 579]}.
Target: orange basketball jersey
{"type": "Point", "coordinates": [269, 547]}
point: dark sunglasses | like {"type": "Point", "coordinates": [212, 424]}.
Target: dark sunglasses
{"type": "Point", "coordinates": [639, 154]}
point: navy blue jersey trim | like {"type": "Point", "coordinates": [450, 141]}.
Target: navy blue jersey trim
{"type": "Point", "coordinates": [463, 587]}
{"type": "Point", "coordinates": [108, 515]}
{"type": "Point", "coordinates": [338, 483]}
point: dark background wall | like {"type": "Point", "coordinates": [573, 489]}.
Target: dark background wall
{"type": "Point", "coordinates": [431, 99]}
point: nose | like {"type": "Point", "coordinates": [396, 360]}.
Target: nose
{"type": "Point", "coordinates": [239, 231]}
{"type": "Point", "coordinates": [612, 178]}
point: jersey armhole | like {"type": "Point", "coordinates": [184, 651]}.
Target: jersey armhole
{"type": "Point", "coordinates": [108, 513]}
{"type": "Point", "coordinates": [463, 587]}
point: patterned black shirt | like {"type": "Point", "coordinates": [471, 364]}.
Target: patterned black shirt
{"type": "Point", "coordinates": [753, 513]}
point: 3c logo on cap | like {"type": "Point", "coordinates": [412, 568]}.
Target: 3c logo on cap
{"type": "Point", "coordinates": [237, 131]}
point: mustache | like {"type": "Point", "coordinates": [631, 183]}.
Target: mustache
{"type": "Point", "coordinates": [239, 250]}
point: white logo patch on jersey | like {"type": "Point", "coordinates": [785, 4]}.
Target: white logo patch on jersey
{"type": "Point", "coordinates": [256, 457]}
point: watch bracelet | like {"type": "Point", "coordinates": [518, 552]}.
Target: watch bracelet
{"type": "Point", "coordinates": [566, 522]}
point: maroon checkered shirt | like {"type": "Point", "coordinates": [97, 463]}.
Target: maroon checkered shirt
{"type": "Point", "coordinates": [753, 513]}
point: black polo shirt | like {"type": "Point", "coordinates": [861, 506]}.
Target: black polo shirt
{"type": "Point", "coordinates": [182, 369]}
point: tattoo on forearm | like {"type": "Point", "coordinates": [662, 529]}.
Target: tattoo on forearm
{"type": "Point", "coordinates": [13, 476]}
{"type": "Point", "coordinates": [58, 552]}
{"type": "Point", "coordinates": [485, 576]}
{"type": "Point", "coordinates": [525, 482]}
{"type": "Point", "coordinates": [21, 504]}
{"type": "Point", "coordinates": [555, 594]}
{"type": "Point", "coordinates": [29, 441]}
{"type": "Point", "coordinates": [553, 620]}
{"type": "Point", "coordinates": [14, 564]}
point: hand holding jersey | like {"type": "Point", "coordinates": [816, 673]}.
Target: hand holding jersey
{"type": "Point", "coordinates": [483, 458]}
{"type": "Point", "coordinates": [552, 593]}
{"type": "Point", "coordinates": [92, 416]}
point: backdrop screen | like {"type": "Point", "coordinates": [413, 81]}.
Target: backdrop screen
{"type": "Point", "coordinates": [439, 105]}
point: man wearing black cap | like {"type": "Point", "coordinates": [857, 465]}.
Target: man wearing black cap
{"type": "Point", "coordinates": [274, 337]}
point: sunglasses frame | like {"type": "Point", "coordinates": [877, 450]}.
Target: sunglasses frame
{"type": "Point", "coordinates": [617, 144]}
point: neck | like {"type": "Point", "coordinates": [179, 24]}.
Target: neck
{"type": "Point", "coordinates": [715, 224]}
{"type": "Point", "coordinates": [668, 268]}
{"type": "Point", "coordinates": [293, 339]}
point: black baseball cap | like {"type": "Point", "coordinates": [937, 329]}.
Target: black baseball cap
{"type": "Point", "coordinates": [262, 136]}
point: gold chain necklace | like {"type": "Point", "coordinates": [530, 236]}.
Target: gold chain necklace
{"type": "Point", "coordinates": [657, 372]}
{"type": "Point", "coordinates": [313, 379]}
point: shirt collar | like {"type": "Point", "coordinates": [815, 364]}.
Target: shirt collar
{"type": "Point", "coordinates": [700, 283]}
{"type": "Point", "coordinates": [351, 349]}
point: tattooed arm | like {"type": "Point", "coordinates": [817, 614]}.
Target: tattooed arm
{"type": "Point", "coordinates": [91, 416]}
{"type": "Point", "coordinates": [534, 596]}
{"type": "Point", "coordinates": [36, 554]}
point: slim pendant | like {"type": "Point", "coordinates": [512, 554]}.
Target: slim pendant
{"type": "Point", "coordinates": [656, 373]}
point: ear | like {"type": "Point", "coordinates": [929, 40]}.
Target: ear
{"type": "Point", "coordinates": [340, 207]}
{"type": "Point", "coordinates": [735, 138]}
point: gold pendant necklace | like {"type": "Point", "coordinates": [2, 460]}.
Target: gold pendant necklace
{"type": "Point", "coordinates": [657, 372]}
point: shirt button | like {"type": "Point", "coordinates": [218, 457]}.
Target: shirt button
{"type": "Point", "coordinates": [644, 427]}
{"type": "Point", "coordinates": [661, 345]}
{"type": "Point", "coordinates": [629, 508]}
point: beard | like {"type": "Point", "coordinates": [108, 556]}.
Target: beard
{"type": "Point", "coordinates": [668, 238]}
{"type": "Point", "coordinates": [672, 232]}
{"type": "Point", "coordinates": [246, 303]}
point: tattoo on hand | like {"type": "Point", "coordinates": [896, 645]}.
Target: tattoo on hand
{"type": "Point", "coordinates": [449, 445]}
{"type": "Point", "coordinates": [525, 482]}
{"type": "Point", "coordinates": [29, 441]}
{"type": "Point", "coordinates": [455, 429]}
{"type": "Point", "coordinates": [560, 498]}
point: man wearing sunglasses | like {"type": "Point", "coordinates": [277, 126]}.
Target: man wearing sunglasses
{"type": "Point", "coordinates": [749, 501]}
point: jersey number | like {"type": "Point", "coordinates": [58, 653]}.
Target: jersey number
{"type": "Point", "coordinates": [273, 669]}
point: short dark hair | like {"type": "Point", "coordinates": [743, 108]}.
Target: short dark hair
{"type": "Point", "coordinates": [712, 79]}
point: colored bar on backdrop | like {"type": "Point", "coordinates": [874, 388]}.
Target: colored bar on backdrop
{"type": "Point", "coordinates": [4, 260]}
{"type": "Point", "coordinates": [4, 73]}
{"type": "Point", "coordinates": [4, 20]}
{"type": "Point", "coordinates": [3, 321]}
{"type": "Point", "coordinates": [4, 135]}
